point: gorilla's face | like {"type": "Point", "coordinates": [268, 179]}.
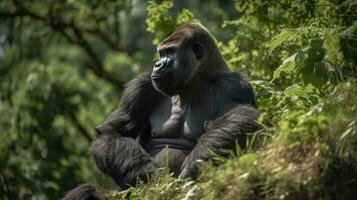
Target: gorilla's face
{"type": "Point", "coordinates": [175, 68]}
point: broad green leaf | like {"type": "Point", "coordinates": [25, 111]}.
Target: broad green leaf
{"type": "Point", "coordinates": [296, 90]}
{"type": "Point", "coordinates": [280, 38]}
{"type": "Point", "coordinates": [289, 64]}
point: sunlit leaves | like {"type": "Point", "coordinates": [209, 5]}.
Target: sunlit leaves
{"type": "Point", "coordinates": [333, 48]}
{"type": "Point", "coordinates": [296, 90]}
{"type": "Point", "coordinates": [161, 23]}
{"type": "Point", "coordinates": [158, 21]}
{"type": "Point", "coordinates": [184, 17]}
{"type": "Point", "coordinates": [286, 34]}
{"type": "Point", "coordinates": [122, 66]}
{"type": "Point", "coordinates": [290, 64]}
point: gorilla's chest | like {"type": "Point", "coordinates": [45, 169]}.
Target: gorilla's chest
{"type": "Point", "coordinates": [173, 119]}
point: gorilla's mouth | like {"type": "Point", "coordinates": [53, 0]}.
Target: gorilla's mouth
{"type": "Point", "coordinates": [158, 77]}
{"type": "Point", "coordinates": [163, 84]}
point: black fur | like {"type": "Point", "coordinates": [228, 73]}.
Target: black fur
{"type": "Point", "coordinates": [85, 192]}
{"type": "Point", "coordinates": [119, 148]}
{"type": "Point", "coordinates": [115, 140]}
{"type": "Point", "coordinates": [115, 144]}
{"type": "Point", "coordinates": [122, 158]}
{"type": "Point", "coordinates": [221, 135]}
{"type": "Point", "coordinates": [130, 118]}
{"type": "Point", "coordinates": [232, 90]}
{"type": "Point", "coordinates": [118, 155]}
{"type": "Point", "coordinates": [238, 111]}
{"type": "Point", "coordinates": [115, 150]}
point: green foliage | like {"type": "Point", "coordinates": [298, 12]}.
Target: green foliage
{"type": "Point", "coordinates": [158, 21]}
{"type": "Point", "coordinates": [161, 23]}
{"type": "Point", "coordinates": [122, 66]}
{"type": "Point", "coordinates": [42, 122]}
{"type": "Point", "coordinates": [60, 65]}
{"type": "Point", "coordinates": [289, 65]}
{"type": "Point", "coordinates": [281, 37]}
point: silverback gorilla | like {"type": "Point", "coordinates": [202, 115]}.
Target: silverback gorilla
{"type": "Point", "coordinates": [189, 108]}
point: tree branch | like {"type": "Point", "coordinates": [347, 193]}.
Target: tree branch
{"type": "Point", "coordinates": [96, 65]}
{"type": "Point", "coordinates": [8, 191]}
{"type": "Point", "coordinates": [116, 28]}
{"type": "Point", "coordinates": [108, 41]}
{"type": "Point", "coordinates": [80, 127]}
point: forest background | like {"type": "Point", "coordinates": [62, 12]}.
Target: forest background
{"type": "Point", "coordinates": [63, 65]}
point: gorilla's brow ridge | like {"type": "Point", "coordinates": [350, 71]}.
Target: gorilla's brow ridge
{"type": "Point", "coordinates": [167, 47]}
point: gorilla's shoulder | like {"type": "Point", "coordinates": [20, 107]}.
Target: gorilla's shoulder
{"type": "Point", "coordinates": [232, 80]}
{"type": "Point", "coordinates": [233, 88]}
{"type": "Point", "coordinates": [139, 95]}
{"type": "Point", "coordinates": [137, 101]}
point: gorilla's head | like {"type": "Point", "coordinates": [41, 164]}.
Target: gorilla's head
{"type": "Point", "coordinates": [190, 51]}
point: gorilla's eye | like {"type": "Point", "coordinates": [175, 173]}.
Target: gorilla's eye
{"type": "Point", "coordinates": [167, 51]}
{"type": "Point", "coordinates": [170, 51]}
{"type": "Point", "coordinates": [198, 50]}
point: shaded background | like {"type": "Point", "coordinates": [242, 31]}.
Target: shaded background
{"type": "Point", "coordinates": [63, 65]}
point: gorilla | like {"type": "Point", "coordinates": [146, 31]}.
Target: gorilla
{"type": "Point", "coordinates": [191, 107]}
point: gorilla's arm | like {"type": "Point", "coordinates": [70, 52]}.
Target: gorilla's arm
{"type": "Point", "coordinates": [238, 118]}
{"type": "Point", "coordinates": [220, 136]}
{"type": "Point", "coordinates": [122, 158]}
{"type": "Point", "coordinates": [115, 150]}
{"type": "Point", "coordinates": [131, 117]}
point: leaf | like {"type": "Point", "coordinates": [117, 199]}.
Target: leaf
{"type": "Point", "coordinates": [184, 17]}
{"type": "Point", "coordinates": [318, 73]}
{"type": "Point", "coordinates": [351, 130]}
{"type": "Point", "coordinates": [289, 64]}
{"type": "Point", "coordinates": [280, 38]}
{"type": "Point", "coordinates": [350, 31]}
{"type": "Point", "coordinates": [296, 90]}
{"type": "Point", "coordinates": [324, 68]}
{"type": "Point", "coordinates": [310, 89]}
{"type": "Point", "coordinates": [349, 3]}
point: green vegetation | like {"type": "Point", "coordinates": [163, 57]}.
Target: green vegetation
{"type": "Point", "coordinates": [63, 65]}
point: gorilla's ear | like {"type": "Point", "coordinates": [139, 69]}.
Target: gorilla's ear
{"type": "Point", "coordinates": [198, 50]}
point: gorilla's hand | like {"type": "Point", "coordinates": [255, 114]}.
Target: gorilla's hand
{"type": "Point", "coordinates": [189, 168]}
{"type": "Point", "coordinates": [188, 174]}
{"type": "Point", "coordinates": [221, 137]}
{"type": "Point", "coordinates": [122, 158]}
{"type": "Point", "coordinates": [202, 152]}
